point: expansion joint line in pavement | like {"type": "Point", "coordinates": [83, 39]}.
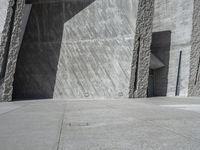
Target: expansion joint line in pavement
{"type": "Point", "coordinates": [61, 128]}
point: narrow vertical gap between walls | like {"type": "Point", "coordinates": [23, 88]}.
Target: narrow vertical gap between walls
{"type": "Point", "coordinates": [137, 66]}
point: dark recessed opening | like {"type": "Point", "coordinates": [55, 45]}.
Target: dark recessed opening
{"type": "Point", "coordinates": [159, 68]}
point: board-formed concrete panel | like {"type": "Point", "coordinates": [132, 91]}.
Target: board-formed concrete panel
{"type": "Point", "coordinates": [5, 17]}
{"type": "Point", "coordinates": [38, 58]}
{"type": "Point", "coordinates": [96, 51]}
{"type": "Point", "coordinates": [93, 50]}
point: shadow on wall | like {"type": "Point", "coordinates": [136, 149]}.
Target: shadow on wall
{"type": "Point", "coordinates": [39, 54]}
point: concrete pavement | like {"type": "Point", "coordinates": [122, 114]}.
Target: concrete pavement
{"type": "Point", "coordinates": [142, 124]}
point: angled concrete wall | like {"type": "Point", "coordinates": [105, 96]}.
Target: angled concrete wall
{"type": "Point", "coordinates": [176, 16]}
{"type": "Point", "coordinates": [3, 36]}
{"type": "Point", "coordinates": [93, 54]}
{"type": "Point", "coordinates": [96, 51]}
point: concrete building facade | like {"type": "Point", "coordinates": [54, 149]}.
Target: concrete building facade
{"type": "Point", "coordinates": [65, 49]}
{"type": "Point", "coordinates": [175, 16]}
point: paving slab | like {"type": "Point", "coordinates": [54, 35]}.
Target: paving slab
{"type": "Point", "coordinates": [32, 127]}
{"type": "Point", "coordinates": [140, 124]}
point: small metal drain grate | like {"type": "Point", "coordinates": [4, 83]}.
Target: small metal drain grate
{"type": "Point", "coordinates": [78, 124]}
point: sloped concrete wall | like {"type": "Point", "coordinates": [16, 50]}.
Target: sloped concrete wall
{"type": "Point", "coordinates": [13, 47]}
{"type": "Point", "coordinates": [176, 16]}
{"type": "Point", "coordinates": [38, 57]}
{"type": "Point", "coordinates": [13, 23]}
{"type": "Point", "coordinates": [96, 51]}
{"type": "Point", "coordinates": [6, 8]}
{"type": "Point", "coordinates": [87, 56]}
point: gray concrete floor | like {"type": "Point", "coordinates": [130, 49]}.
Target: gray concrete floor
{"type": "Point", "coordinates": [145, 124]}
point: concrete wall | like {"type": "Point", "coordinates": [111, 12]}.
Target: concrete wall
{"type": "Point", "coordinates": [176, 15]}
{"type": "Point", "coordinates": [78, 50]}
{"type": "Point", "coordinates": [38, 57]}
{"type": "Point", "coordinates": [194, 85]}
{"type": "Point", "coordinates": [98, 44]}
{"type": "Point", "coordinates": [3, 12]}
{"type": "Point", "coordinates": [5, 35]}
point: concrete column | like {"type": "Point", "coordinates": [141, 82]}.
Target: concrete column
{"type": "Point", "coordinates": [194, 81]}
{"type": "Point", "coordinates": [13, 51]}
{"type": "Point", "coordinates": [6, 21]}
{"type": "Point", "coordinates": [141, 54]}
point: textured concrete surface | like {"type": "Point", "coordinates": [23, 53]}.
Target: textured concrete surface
{"type": "Point", "coordinates": [14, 45]}
{"type": "Point", "coordinates": [142, 53]}
{"type": "Point", "coordinates": [14, 17]}
{"type": "Point", "coordinates": [6, 23]}
{"type": "Point", "coordinates": [94, 50]}
{"type": "Point", "coordinates": [98, 44]}
{"type": "Point", "coordinates": [194, 84]}
{"type": "Point", "coordinates": [83, 49]}
{"type": "Point", "coordinates": [3, 12]}
{"type": "Point", "coordinates": [176, 16]}
{"type": "Point", "coordinates": [141, 124]}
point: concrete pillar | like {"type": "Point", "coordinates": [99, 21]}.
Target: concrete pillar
{"type": "Point", "coordinates": [141, 53]}
{"type": "Point", "coordinates": [13, 50]}
{"type": "Point", "coordinates": [6, 22]}
{"type": "Point", "coordinates": [194, 79]}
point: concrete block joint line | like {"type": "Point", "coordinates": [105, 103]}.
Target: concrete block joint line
{"type": "Point", "coordinates": [14, 50]}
